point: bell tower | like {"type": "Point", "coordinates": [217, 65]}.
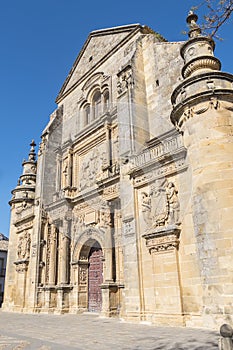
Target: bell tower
{"type": "Point", "coordinates": [203, 113]}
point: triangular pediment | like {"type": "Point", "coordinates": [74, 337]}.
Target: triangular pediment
{"type": "Point", "coordinates": [99, 45]}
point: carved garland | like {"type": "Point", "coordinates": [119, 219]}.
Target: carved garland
{"type": "Point", "coordinates": [190, 112]}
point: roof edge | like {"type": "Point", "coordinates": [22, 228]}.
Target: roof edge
{"type": "Point", "coordinates": [131, 28]}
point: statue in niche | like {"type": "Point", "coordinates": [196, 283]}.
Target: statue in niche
{"type": "Point", "coordinates": [65, 173]}
{"type": "Point", "coordinates": [173, 204]}
{"type": "Point", "coordinates": [104, 214]}
{"type": "Point", "coordinates": [24, 244]}
{"type": "Point", "coordinates": [80, 224]}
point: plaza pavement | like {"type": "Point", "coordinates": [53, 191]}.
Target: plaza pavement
{"type": "Point", "coordinates": [92, 332]}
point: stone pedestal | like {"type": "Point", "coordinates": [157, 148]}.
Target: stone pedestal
{"type": "Point", "coordinates": [21, 267]}
{"type": "Point", "coordinates": [163, 244]}
{"type": "Point", "coordinates": [109, 299]}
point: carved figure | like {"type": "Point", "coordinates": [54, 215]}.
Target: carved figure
{"type": "Point", "coordinates": [83, 275]}
{"type": "Point", "coordinates": [24, 244]}
{"type": "Point", "coordinates": [65, 174]}
{"type": "Point", "coordinates": [80, 224]}
{"type": "Point", "coordinates": [146, 208]}
{"type": "Point", "coordinates": [173, 204]}
{"type": "Point", "coordinates": [105, 218]}
{"type": "Point", "coordinates": [159, 209]}
{"type": "Point", "coordinates": [161, 206]}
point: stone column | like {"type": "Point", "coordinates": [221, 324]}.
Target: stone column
{"type": "Point", "coordinates": [58, 175]}
{"type": "Point", "coordinates": [53, 256]}
{"type": "Point", "coordinates": [47, 299]}
{"type": "Point", "coordinates": [70, 167]}
{"type": "Point", "coordinates": [63, 253]}
{"type": "Point", "coordinates": [108, 256]}
{"type": "Point", "coordinates": [60, 298]}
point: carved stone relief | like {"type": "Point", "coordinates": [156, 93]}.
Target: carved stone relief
{"type": "Point", "coordinates": [188, 113]}
{"type": "Point", "coordinates": [83, 275]}
{"type": "Point", "coordinates": [78, 223]}
{"type": "Point", "coordinates": [162, 241]}
{"type": "Point", "coordinates": [91, 167]}
{"type": "Point", "coordinates": [128, 226]}
{"type": "Point", "coordinates": [156, 174]}
{"type": "Point", "coordinates": [125, 80]}
{"type": "Point", "coordinates": [160, 205]}
{"type": "Point", "coordinates": [111, 191]}
{"type": "Point", "coordinates": [104, 218]}
{"type": "Point", "coordinates": [24, 245]}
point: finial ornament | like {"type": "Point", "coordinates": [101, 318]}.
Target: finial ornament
{"type": "Point", "coordinates": [194, 29]}
{"type": "Point", "coordinates": [32, 153]}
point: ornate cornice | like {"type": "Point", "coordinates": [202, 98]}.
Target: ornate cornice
{"type": "Point", "coordinates": [162, 240]}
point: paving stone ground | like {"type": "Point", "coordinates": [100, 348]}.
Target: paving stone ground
{"type": "Point", "coordinates": [90, 331]}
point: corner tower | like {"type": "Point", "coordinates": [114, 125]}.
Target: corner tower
{"type": "Point", "coordinates": [19, 271]}
{"type": "Point", "coordinates": [203, 113]}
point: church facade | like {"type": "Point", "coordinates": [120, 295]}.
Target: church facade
{"type": "Point", "coordinates": [127, 208]}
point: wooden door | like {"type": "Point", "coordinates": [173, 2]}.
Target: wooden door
{"type": "Point", "coordinates": [95, 279]}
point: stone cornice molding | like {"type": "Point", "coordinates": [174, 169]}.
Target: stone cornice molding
{"type": "Point", "coordinates": [198, 79]}
{"type": "Point", "coordinates": [203, 62]}
{"type": "Point", "coordinates": [198, 89]}
{"type": "Point", "coordinates": [21, 265]}
{"type": "Point", "coordinates": [162, 240]}
{"type": "Point", "coordinates": [26, 219]}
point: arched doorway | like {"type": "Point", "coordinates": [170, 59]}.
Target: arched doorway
{"type": "Point", "coordinates": [95, 278]}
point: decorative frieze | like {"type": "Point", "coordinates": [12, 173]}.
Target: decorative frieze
{"type": "Point", "coordinates": [190, 112]}
{"type": "Point", "coordinates": [111, 192]}
{"type": "Point", "coordinates": [160, 172]}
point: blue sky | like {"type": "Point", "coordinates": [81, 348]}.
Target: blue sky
{"type": "Point", "coordinates": [39, 43]}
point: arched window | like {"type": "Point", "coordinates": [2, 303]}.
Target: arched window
{"type": "Point", "coordinates": [106, 101]}
{"type": "Point", "coordinates": [87, 115]}
{"type": "Point", "coordinates": [96, 104]}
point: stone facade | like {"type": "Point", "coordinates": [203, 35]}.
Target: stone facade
{"type": "Point", "coordinates": [127, 210]}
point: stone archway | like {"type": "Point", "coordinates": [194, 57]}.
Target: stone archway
{"type": "Point", "coordinates": [90, 276]}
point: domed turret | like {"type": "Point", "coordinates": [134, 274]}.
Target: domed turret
{"type": "Point", "coordinates": [203, 79]}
